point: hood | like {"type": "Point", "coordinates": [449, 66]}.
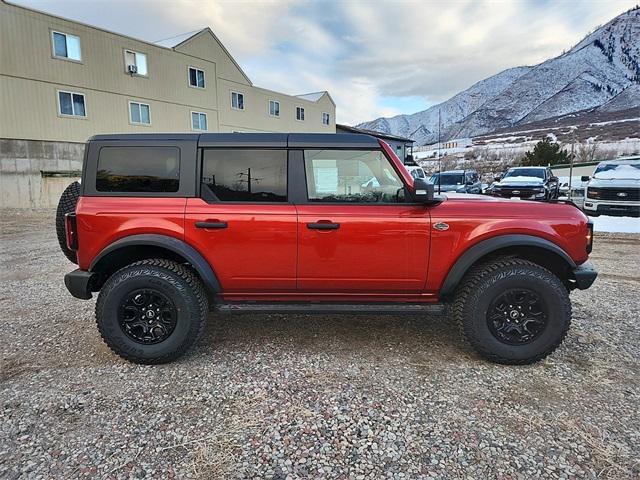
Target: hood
{"type": "Point", "coordinates": [614, 182]}
{"type": "Point", "coordinates": [519, 181]}
{"type": "Point", "coordinates": [452, 187]}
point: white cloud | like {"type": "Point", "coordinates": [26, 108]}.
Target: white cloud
{"type": "Point", "coordinates": [362, 51]}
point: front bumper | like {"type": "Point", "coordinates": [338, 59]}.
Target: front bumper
{"type": "Point", "coordinates": [607, 207]}
{"type": "Point", "coordinates": [79, 283]}
{"type": "Point", "coordinates": [584, 275]}
{"type": "Point", "coordinates": [524, 194]}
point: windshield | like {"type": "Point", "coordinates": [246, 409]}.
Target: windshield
{"type": "Point", "coordinates": [622, 172]}
{"type": "Point", "coordinates": [525, 172]}
{"type": "Point", "coordinates": [417, 173]}
{"type": "Point", "coordinates": [448, 178]}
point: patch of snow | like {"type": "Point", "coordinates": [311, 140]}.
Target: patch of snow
{"type": "Point", "coordinates": [522, 178]}
{"type": "Point", "coordinates": [616, 224]}
{"type": "Point", "coordinates": [621, 172]}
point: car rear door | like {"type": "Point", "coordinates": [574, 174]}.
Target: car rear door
{"type": "Point", "coordinates": [356, 232]}
{"type": "Point", "coordinates": [242, 221]}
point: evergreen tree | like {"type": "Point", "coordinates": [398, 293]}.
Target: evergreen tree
{"type": "Point", "coordinates": [545, 153]}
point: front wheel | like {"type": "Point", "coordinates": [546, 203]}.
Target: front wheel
{"type": "Point", "coordinates": [512, 311]}
{"type": "Point", "coordinates": [152, 311]}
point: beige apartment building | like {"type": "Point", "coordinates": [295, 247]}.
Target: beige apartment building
{"type": "Point", "coordinates": [63, 81]}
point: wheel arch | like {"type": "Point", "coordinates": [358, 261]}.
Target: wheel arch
{"type": "Point", "coordinates": [528, 247]}
{"type": "Point", "coordinates": [133, 248]}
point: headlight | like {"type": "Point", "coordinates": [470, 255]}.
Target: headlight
{"type": "Point", "coordinates": [593, 193]}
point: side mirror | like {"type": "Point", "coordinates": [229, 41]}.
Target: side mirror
{"type": "Point", "coordinates": [553, 179]}
{"type": "Point", "coordinates": [469, 183]}
{"type": "Point", "coordinates": [498, 178]}
{"type": "Point", "coordinates": [585, 178]}
{"type": "Point", "coordinates": [422, 191]}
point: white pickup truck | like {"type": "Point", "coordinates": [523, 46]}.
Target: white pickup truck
{"type": "Point", "coordinates": [614, 189]}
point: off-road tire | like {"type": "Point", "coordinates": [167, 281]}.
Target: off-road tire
{"type": "Point", "coordinates": [66, 204]}
{"type": "Point", "coordinates": [177, 282]}
{"type": "Point", "coordinates": [485, 282]}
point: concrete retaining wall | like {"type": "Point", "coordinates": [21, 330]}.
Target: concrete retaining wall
{"type": "Point", "coordinates": [33, 173]}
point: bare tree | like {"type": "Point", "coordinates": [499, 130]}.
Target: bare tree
{"type": "Point", "coordinates": [587, 152]}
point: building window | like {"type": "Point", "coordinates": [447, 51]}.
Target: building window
{"type": "Point", "coordinates": [196, 77]}
{"type": "Point", "coordinates": [198, 121]}
{"type": "Point", "coordinates": [274, 108]}
{"type": "Point", "coordinates": [66, 46]}
{"type": "Point", "coordinates": [300, 114]}
{"type": "Point", "coordinates": [71, 104]}
{"type": "Point", "coordinates": [237, 101]}
{"type": "Point", "coordinates": [139, 113]}
{"type": "Point", "coordinates": [244, 175]}
{"type": "Point", "coordinates": [135, 63]}
{"type": "Point", "coordinates": [325, 118]}
{"type": "Point", "coordinates": [138, 169]}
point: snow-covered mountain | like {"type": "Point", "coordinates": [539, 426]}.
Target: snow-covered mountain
{"type": "Point", "coordinates": [603, 69]}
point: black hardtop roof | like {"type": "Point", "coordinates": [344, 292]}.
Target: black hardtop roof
{"type": "Point", "coordinates": [263, 140]}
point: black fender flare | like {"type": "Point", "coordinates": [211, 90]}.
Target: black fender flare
{"type": "Point", "coordinates": [485, 247]}
{"type": "Point", "coordinates": [172, 244]}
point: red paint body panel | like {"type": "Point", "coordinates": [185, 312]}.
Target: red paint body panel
{"type": "Point", "coordinates": [103, 220]}
{"type": "Point", "coordinates": [257, 252]}
{"type": "Point", "coordinates": [473, 218]}
{"type": "Point", "coordinates": [377, 249]}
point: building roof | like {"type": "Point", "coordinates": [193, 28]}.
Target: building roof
{"type": "Point", "coordinates": [384, 136]}
{"type": "Point", "coordinates": [315, 96]}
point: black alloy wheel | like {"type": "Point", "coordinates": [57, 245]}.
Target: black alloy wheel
{"type": "Point", "coordinates": [517, 317]}
{"type": "Point", "coordinates": [147, 316]}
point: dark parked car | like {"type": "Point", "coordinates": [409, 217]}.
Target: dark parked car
{"type": "Point", "coordinates": [527, 183]}
{"type": "Point", "coordinates": [459, 181]}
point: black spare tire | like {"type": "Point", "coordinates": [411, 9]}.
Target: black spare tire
{"type": "Point", "coordinates": [67, 204]}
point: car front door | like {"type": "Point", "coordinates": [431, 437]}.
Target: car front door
{"type": "Point", "coordinates": [356, 232]}
{"type": "Point", "coordinates": [243, 222]}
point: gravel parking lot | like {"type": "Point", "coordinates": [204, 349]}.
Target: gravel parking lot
{"type": "Point", "coordinates": [273, 396]}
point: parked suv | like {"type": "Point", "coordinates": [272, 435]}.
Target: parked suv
{"type": "Point", "coordinates": [459, 181]}
{"type": "Point", "coordinates": [168, 227]}
{"type": "Point", "coordinates": [614, 189]}
{"type": "Point", "coordinates": [530, 183]}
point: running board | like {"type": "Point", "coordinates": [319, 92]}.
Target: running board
{"type": "Point", "coordinates": [383, 308]}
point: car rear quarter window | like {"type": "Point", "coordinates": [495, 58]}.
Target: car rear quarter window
{"type": "Point", "coordinates": [138, 169]}
{"type": "Point", "coordinates": [244, 175]}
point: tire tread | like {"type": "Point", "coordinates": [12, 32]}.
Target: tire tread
{"type": "Point", "coordinates": [471, 282]}
{"type": "Point", "coordinates": [191, 280]}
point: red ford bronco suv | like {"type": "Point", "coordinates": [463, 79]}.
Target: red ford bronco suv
{"type": "Point", "coordinates": [168, 227]}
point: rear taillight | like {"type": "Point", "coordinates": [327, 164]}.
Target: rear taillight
{"type": "Point", "coordinates": [71, 229]}
{"type": "Point", "coordinates": [589, 237]}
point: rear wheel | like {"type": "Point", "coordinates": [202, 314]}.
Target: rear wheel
{"type": "Point", "coordinates": [152, 311]}
{"type": "Point", "coordinates": [512, 311]}
{"type": "Point", "coordinates": [66, 204]}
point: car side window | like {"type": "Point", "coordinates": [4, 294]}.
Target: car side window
{"type": "Point", "coordinates": [244, 175]}
{"type": "Point", "coordinates": [351, 176]}
{"type": "Point", "coordinates": [138, 169]}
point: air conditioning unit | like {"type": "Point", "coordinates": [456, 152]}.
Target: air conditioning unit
{"type": "Point", "coordinates": [132, 69]}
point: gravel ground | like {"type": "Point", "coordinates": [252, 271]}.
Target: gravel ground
{"type": "Point", "coordinates": [273, 396]}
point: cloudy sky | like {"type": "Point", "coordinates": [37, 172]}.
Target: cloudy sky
{"type": "Point", "coordinates": [375, 58]}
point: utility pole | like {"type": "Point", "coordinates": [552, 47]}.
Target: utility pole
{"type": "Point", "coordinates": [439, 161]}
{"type": "Point", "coordinates": [573, 142]}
